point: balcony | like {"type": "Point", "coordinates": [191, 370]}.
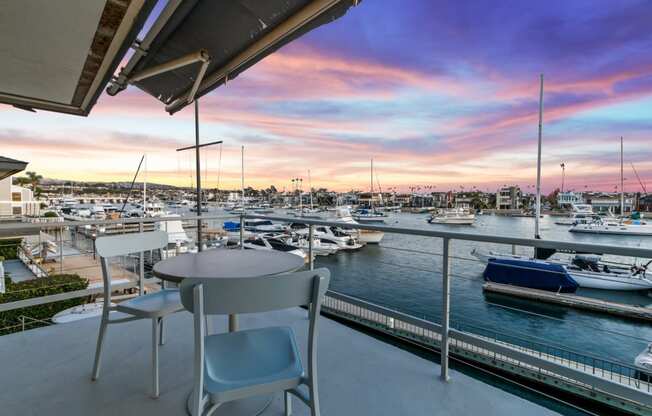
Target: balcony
{"type": "Point", "coordinates": [367, 359]}
{"type": "Point", "coordinates": [47, 371]}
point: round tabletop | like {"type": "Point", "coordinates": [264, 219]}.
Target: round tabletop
{"type": "Point", "coordinates": [222, 263]}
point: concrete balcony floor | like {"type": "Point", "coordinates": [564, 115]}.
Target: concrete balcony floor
{"type": "Point", "coordinates": [46, 371]}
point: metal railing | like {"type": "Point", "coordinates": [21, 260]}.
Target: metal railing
{"type": "Point", "coordinates": [581, 368]}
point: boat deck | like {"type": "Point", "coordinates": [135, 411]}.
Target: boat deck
{"type": "Point", "coordinates": [49, 373]}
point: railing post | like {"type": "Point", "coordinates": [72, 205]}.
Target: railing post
{"type": "Point", "coordinates": [445, 315]}
{"type": "Point", "coordinates": [141, 265]}
{"type": "Point", "coordinates": [61, 250]}
{"type": "Point", "coordinates": [242, 231]}
{"type": "Point", "coordinates": [311, 231]}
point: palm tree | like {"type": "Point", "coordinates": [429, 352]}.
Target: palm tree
{"type": "Point", "coordinates": [34, 180]}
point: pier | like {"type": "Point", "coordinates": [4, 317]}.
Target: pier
{"type": "Point", "coordinates": [573, 301]}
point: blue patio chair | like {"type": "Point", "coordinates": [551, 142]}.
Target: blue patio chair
{"type": "Point", "coordinates": [253, 362]}
{"type": "Point", "coordinates": [154, 306]}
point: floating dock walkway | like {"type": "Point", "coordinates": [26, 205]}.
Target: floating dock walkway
{"type": "Point", "coordinates": [573, 301]}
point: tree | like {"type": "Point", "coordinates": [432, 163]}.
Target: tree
{"type": "Point", "coordinates": [34, 180]}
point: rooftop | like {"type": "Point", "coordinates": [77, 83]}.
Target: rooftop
{"type": "Point", "coordinates": [358, 375]}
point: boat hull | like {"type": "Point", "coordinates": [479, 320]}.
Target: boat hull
{"type": "Point", "coordinates": [452, 221]}
{"type": "Point", "coordinates": [530, 273]}
{"type": "Point", "coordinates": [614, 230]}
{"type": "Point", "coordinates": [606, 282]}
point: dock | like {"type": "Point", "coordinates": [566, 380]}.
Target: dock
{"type": "Point", "coordinates": [573, 301]}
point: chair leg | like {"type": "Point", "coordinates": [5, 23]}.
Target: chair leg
{"type": "Point", "coordinates": [162, 333]}
{"type": "Point", "coordinates": [288, 403]}
{"type": "Point", "coordinates": [98, 349]}
{"type": "Point", "coordinates": [314, 399]}
{"type": "Point", "coordinates": [155, 339]}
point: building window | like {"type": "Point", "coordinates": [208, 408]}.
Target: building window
{"type": "Point", "coordinates": [17, 211]}
{"type": "Point", "coordinates": [15, 196]}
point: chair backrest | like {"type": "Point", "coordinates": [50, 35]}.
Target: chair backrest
{"type": "Point", "coordinates": [257, 294]}
{"type": "Point", "coordinates": [123, 244]}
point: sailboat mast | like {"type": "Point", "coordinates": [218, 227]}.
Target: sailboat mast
{"type": "Point", "coordinates": [145, 188]}
{"type": "Point", "coordinates": [310, 185]}
{"type": "Point", "coordinates": [371, 201]}
{"type": "Point", "coordinates": [242, 179]}
{"type": "Point", "coordinates": [537, 214]}
{"type": "Point", "coordinates": [622, 180]}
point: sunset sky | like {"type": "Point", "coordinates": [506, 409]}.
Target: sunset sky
{"type": "Point", "coordinates": [439, 93]}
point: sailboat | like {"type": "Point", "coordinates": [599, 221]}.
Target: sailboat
{"type": "Point", "coordinates": [623, 226]}
{"type": "Point", "coordinates": [370, 216]}
{"type": "Point", "coordinates": [587, 271]}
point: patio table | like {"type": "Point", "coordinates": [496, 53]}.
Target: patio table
{"type": "Point", "coordinates": [225, 263]}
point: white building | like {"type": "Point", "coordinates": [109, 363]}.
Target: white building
{"type": "Point", "coordinates": [508, 197]}
{"type": "Point", "coordinates": [15, 200]}
{"type": "Point", "coordinates": [565, 199]}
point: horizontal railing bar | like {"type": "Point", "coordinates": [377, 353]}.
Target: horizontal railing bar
{"type": "Point", "coordinates": [61, 296]}
{"type": "Point", "coordinates": [484, 238]}
{"type": "Point", "coordinates": [28, 225]}
{"type": "Point", "coordinates": [617, 389]}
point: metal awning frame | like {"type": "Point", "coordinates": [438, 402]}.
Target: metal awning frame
{"type": "Point", "coordinates": [293, 24]}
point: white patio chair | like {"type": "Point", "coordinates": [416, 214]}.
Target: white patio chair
{"type": "Point", "coordinates": [154, 306]}
{"type": "Point", "coordinates": [236, 365]}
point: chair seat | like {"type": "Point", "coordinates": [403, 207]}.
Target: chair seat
{"type": "Point", "coordinates": [251, 362]}
{"type": "Point", "coordinates": [153, 305]}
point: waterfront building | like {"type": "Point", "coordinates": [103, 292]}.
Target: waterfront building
{"type": "Point", "coordinates": [509, 198]}
{"type": "Point", "coordinates": [610, 202]}
{"type": "Point", "coordinates": [15, 201]}
{"type": "Point", "coordinates": [566, 199]}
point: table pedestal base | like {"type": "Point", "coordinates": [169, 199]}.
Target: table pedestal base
{"type": "Point", "coordinates": [252, 406]}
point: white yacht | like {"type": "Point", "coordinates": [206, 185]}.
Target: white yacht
{"type": "Point", "coordinates": [263, 226]}
{"type": "Point", "coordinates": [615, 226]}
{"type": "Point", "coordinates": [272, 243]}
{"type": "Point", "coordinates": [329, 234]}
{"type": "Point", "coordinates": [580, 214]}
{"type": "Point", "coordinates": [364, 236]}
{"type": "Point", "coordinates": [453, 216]}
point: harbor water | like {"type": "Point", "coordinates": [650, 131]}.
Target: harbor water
{"type": "Point", "coordinates": [404, 273]}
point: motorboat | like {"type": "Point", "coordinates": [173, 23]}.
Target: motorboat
{"type": "Point", "coordinates": [259, 242]}
{"type": "Point", "coordinates": [643, 362]}
{"type": "Point", "coordinates": [588, 270]}
{"type": "Point", "coordinates": [364, 236]}
{"type": "Point", "coordinates": [329, 234]}
{"type": "Point", "coordinates": [264, 226]}
{"type": "Point", "coordinates": [232, 229]}
{"type": "Point", "coordinates": [531, 273]}
{"type": "Point", "coordinates": [636, 227]}
{"type": "Point", "coordinates": [580, 214]}
{"type": "Point", "coordinates": [320, 247]}
{"type": "Point", "coordinates": [453, 216]}
{"type": "Point", "coordinates": [368, 216]}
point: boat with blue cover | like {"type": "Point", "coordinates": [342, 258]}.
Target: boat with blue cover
{"type": "Point", "coordinates": [535, 274]}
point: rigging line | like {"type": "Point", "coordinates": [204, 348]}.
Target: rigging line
{"type": "Point", "coordinates": [409, 250]}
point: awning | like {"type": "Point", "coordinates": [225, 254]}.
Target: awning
{"type": "Point", "coordinates": [196, 46]}
{"type": "Point", "coordinates": [10, 167]}
{"type": "Point", "coordinates": [58, 55]}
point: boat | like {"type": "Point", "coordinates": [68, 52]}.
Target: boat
{"type": "Point", "coordinates": [259, 242]}
{"type": "Point", "coordinates": [79, 312]}
{"type": "Point", "coordinates": [643, 362]}
{"type": "Point", "coordinates": [453, 216]}
{"type": "Point", "coordinates": [588, 270]}
{"type": "Point", "coordinates": [320, 247]}
{"type": "Point", "coordinates": [232, 229]}
{"type": "Point", "coordinates": [580, 214]}
{"type": "Point", "coordinates": [262, 225]}
{"type": "Point", "coordinates": [364, 236]}
{"type": "Point", "coordinates": [369, 216]}
{"type": "Point", "coordinates": [600, 225]}
{"type": "Point", "coordinates": [535, 274]}
{"type": "Point", "coordinates": [329, 234]}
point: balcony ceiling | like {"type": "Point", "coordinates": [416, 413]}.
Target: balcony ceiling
{"type": "Point", "coordinates": [59, 55]}
{"type": "Point", "coordinates": [235, 33]}
{"type": "Point", "coordinates": [10, 167]}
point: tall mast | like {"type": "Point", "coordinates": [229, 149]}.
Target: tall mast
{"type": "Point", "coordinates": [622, 180]}
{"type": "Point", "coordinates": [537, 214]}
{"type": "Point", "coordinates": [242, 180]}
{"type": "Point", "coordinates": [371, 201]}
{"type": "Point", "coordinates": [310, 185]}
{"type": "Point", "coordinates": [145, 188]}
{"type": "Point", "coordinates": [198, 173]}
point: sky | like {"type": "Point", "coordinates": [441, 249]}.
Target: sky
{"type": "Point", "coordinates": [440, 93]}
